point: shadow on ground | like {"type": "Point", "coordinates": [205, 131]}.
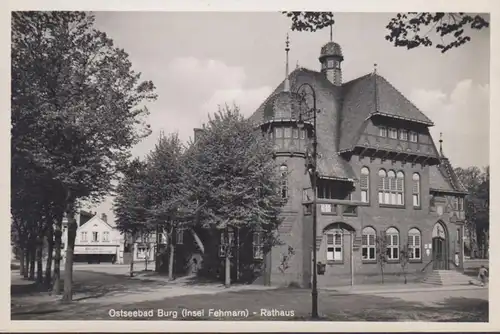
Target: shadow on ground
{"type": "Point", "coordinates": [266, 305]}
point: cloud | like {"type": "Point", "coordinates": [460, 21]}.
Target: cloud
{"type": "Point", "coordinates": [463, 118]}
{"type": "Point", "coordinates": [247, 100]}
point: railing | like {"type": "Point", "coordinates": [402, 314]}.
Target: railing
{"type": "Point", "coordinates": [333, 207]}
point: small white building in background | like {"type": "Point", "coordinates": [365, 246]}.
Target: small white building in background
{"type": "Point", "coordinates": [96, 241]}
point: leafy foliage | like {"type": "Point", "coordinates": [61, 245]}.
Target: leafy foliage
{"type": "Point", "coordinates": [477, 184]}
{"type": "Point", "coordinates": [381, 245]}
{"type": "Point", "coordinates": [77, 108]}
{"type": "Point", "coordinates": [409, 30]}
{"type": "Point", "coordinates": [404, 260]}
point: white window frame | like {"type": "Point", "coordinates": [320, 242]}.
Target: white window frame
{"type": "Point", "coordinates": [95, 236]}
{"type": "Point", "coordinates": [284, 182]}
{"type": "Point", "coordinates": [392, 238]}
{"type": "Point", "coordinates": [382, 131]}
{"type": "Point", "coordinates": [414, 243]}
{"type": "Point", "coordinates": [335, 246]}
{"type": "Point", "coordinates": [392, 133]}
{"type": "Point", "coordinates": [258, 245]}
{"type": "Point", "coordinates": [403, 134]}
{"type": "Point", "coordinates": [369, 243]}
{"type": "Point", "coordinates": [83, 236]}
{"type": "Point", "coordinates": [278, 132]}
{"type": "Point", "coordinates": [302, 134]}
{"type": "Point", "coordinates": [364, 184]}
{"type": "Point", "coordinates": [105, 236]}
{"type": "Point", "coordinates": [413, 136]}
{"type": "Point", "coordinates": [400, 188]}
{"type": "Point", "coordinates": [287, 132]}
{"type": "Point", "coordinates": [416, 190]}
{"type": "Point", "coordinates": [295, 133]}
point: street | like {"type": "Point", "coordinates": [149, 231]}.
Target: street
{"type": "Point", "coordinates": [101, 295]}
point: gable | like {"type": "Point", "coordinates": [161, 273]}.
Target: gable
{"type": "Point", "coordinates": [372, 95]}
{"type": "Point", "coordinates": [95, 223]}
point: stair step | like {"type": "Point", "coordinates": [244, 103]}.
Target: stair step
{"type": "Point", "coordinates": [446, 277]}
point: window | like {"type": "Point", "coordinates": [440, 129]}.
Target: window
{"type": "Point", "coordinates": [288, 133]}
{"type": "Point", "coordinates": [95, 236]}
{"type": "Point", "coordinates": [455, 203]}
{"type": "Point", "coordinates": [416, 190]}
{"type": "Point", "coordinates": [392, 239]}
{"type": "Point", "coordinates": [330, 63]}
{"type": "Point", "coordinates": [400, 188]}
{"type": "Point", "coordinates": [225, 242]}
{"type": "Point", "coordinates": [334, 246]}
{"type": "Point", "coordinates": [461, 204]}
{"type": "Point", "coordinates": [391, 187]}
{"type": "Point", "coordinates": [368, 244]}
{"type": "Point", "coordinates": [414, 244]}
{"type": "Point", "coordinates": [296, 133]}
{"type": "Point", "coordinates": [179, 236]}
{"type": "Point", "coordinates": [284, 181]}
{"type": "Point", "coordinates": [83, 236]}
{"type": "Point", "coordinates": [105, 236]}
{"type": "Point", "coordinates": [413, 137]}
{"type": "Point", "coordinates": [382, 131]}
{"type": "Point", "coordinates": [403, 134]}
{"type": "Point", "coordinates": [278, 132]}
{"type": "Point", "coordinates": [364, 184]}
{"type": "Point", "coordinates": [302, 134]}
{"type": "Point", "coordinates": [258, 251]}
{"type": "Point", "coordinates": [393, 133]}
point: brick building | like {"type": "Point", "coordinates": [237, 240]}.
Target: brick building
{"type": "Point", "coordinates": [380, 174]}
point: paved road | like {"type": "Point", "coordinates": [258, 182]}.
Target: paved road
{"type": "Point", "coordinates": [97, 293]}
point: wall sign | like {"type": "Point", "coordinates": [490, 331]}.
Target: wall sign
{"type": "Point", "coordinates": [427, 251]}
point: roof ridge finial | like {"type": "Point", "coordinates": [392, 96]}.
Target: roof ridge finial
{"type": "Point", "coordinates": [374, 68]}
{"type": "Point", "coordinates": [287, 48]}
{"type": "Point", "coordinates": [331, 32]}
{"type": "Point", "coordinates": [441, 144]}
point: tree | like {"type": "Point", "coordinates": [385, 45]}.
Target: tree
{"type": "Point", "coordinates": [130, 206]}
{"type": "Point", "coordinates": [82, 103]}
{"type": "Point", "coordinates": [166, 191]}
{"type": "Point", "coordinates": [476, 183]}
{"type": "Point", "coordinates": [233, 177]}
{"type": "Point", "coordinates": [404, 260]}
{"type": "Point", "coordinates": [381, 244]}
{"type": "Point", "coordinates": [409, 30]}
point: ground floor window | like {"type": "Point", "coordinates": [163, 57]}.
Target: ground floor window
{"type": "Point", "coordinates": [258, 249]}
{"type": "Point", "coordinates": [334, 246]}
{"type": "Point", "coordinates": [392, 240]}
{"type": "Point", "coordinates": [414, 244]}
{"type": "Point", "coordinates": [368, 244]}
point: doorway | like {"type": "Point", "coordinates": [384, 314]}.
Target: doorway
{"type": "Point", "coordinates": [439, 247]}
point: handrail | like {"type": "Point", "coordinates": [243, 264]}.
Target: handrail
{"type": "Point", "coordinates": [425, 267]}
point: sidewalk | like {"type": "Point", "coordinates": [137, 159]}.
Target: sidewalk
{"type": "Point", "coordinates": [374, 289]}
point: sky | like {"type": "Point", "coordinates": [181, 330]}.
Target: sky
{"type": "Point", "coordinates": [199, 61]}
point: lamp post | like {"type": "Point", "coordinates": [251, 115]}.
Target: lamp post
{"type": "Point", "coordinates": [311, 114]}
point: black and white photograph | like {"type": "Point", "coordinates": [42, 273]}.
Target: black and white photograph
{"type": "Point", "coordinates": [250, 166]}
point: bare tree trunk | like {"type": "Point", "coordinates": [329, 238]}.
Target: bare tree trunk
{"type": "Point", "coordinates": [22, 268]}
{"type": "Point", "coordinates": [68, 265]}
{"type": "Point", "coordinates": [134, 239]}
{"type": "Point", "coordinates": [26, 261]}
{"type": "Point", "coordinates": [227, 282]}
{"type": "Point", "coordinates": [57, 256]}
{"type": "Point", "coordinates": [171, 260]}
{"type": "Point", "coordinates": [32, 260]}
{"type": "Point", "coordinates": [50, 249]}
{"type": "Point", "coordinates": [39, 260]}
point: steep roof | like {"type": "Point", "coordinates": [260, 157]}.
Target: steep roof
{"type": "Point", "coordinates": [371, 95]}
{"type": "Point", "coordinates": [443, 178]}
{"type": "Point", "coordinates": [330, 164]}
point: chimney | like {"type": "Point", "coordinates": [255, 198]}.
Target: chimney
{"type": "Point", "coordinates": [197, 133]}
{"type": "Point", "coordinates": [104, 217]}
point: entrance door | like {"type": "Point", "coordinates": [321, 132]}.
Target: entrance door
{"type": "Point", "coordinates": [439, 255]}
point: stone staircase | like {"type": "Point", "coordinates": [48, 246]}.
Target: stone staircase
{"type": "Point", "coordinates": [448, 277]}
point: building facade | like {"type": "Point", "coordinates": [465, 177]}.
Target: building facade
{"type": "Point", "coordinates": [380, 176]}
{"type": "Point", "coordinates": [96, 241]}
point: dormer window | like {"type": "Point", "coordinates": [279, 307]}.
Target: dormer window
{"type": "Point", "coordinates": [413, 137]}
{"type": "Point", "coordinates": [382, 131]}
{"type": "Point", "coordinates": [393, 133]}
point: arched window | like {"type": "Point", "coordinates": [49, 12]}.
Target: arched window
{"type": "Point", "coordinates": [416, 190]}
{"type": "Point", "coordinates": [392, 239]}
{"type": "Point", "coordinates": [391, 187]}
{"type": "Point", "coordinates": [284, 181]}
{"type": "Point", "coordinates": [334, 245]}
{"type": "Point", "coordinates": [400, 188]}
{"type": "Point", "coordinates": [364, 184]}
{"type": "Point", "coordinates": [414, 244]}
{"type": "Point", "coordinates": [382, 185]}
{"type": "Point", "coordinates": [368, 243]}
